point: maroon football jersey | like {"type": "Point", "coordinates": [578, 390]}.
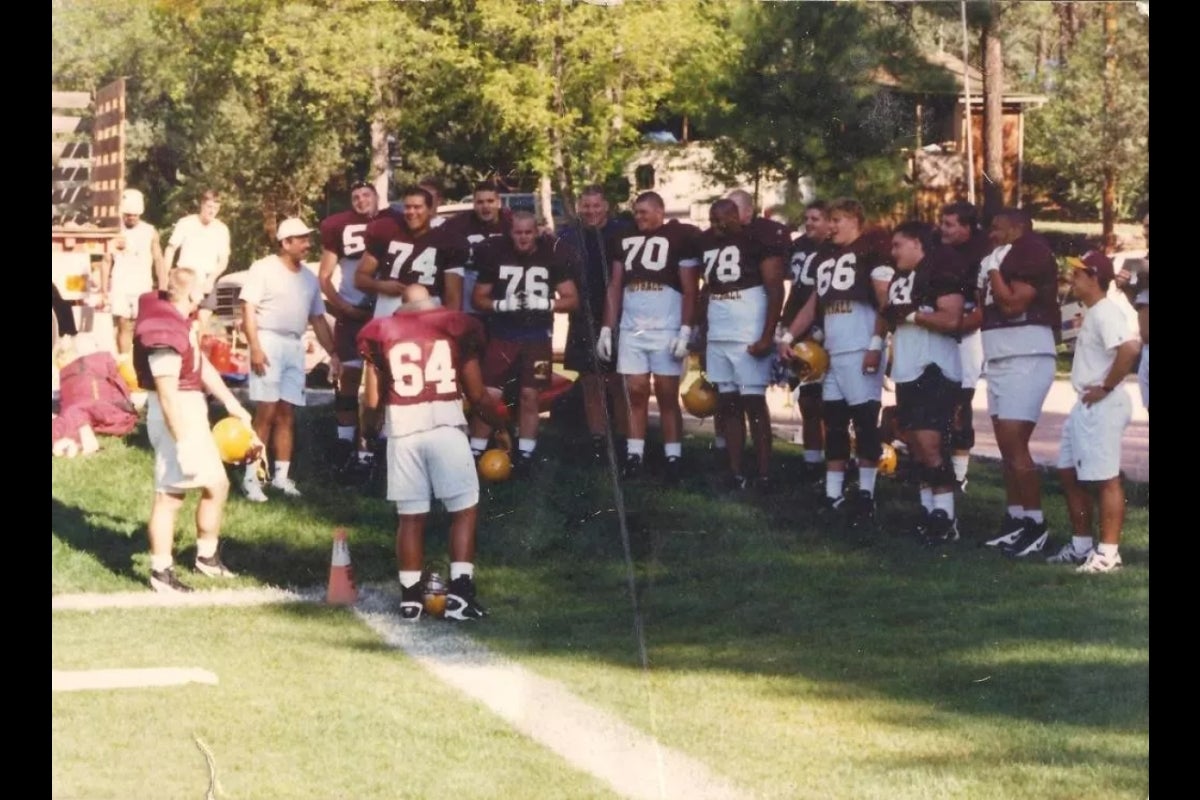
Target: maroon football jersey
{"type": "Point", "coordinates": [803, 272]}
{"type": "Point", "coordinates": [972, 252]}
{"type": "Point", "coordinates": [656, 256]}
{"type": "Point", "coordinates": [412, 259]}
{"type": "Point", "coordinates": [532, 274]}
{"type": "Point", "coordinates": [345, 234]}
{"type": "Point", "coordinates": [939, 273]}
{"type": "Point", "coordinates": [470, 231]}
{"type": "Point", "coordinates": [844, 272]}
{"type": "Point", "coordinates": [1029, 261]}
{"type": "Point", "coordinates": [419, 353]}
{"type": "Point", "coordinates": [732, 263]}
{"type": "Point", "coordinates": [160, 326]}
{"type": "Point", "coordinates": [770, 232]}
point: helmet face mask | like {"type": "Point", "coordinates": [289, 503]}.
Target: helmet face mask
{"type": "Point", "coordinates": [433, 597]}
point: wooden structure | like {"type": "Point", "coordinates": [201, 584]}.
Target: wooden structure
{"type": "Point", "coordinates": [938, 97]}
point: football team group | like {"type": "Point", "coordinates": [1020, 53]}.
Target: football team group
{"type": "Point", "coordinates": [443, 325]}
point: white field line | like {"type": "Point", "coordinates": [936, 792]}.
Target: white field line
{"type": "Point", "coordinates": [62, 680]}
{"type": "Point", "coordinates": [634, 764]}
{"type": "Point", "coordinates": [631, 762]}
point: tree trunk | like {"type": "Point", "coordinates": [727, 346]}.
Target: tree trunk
{"type": "Point", "coordinates": [270, 217]}
{"type": "Point", "coordinates": [558, 153]}
{"type": "Point", "coordinates": [993, 119]}
{"type": "Point", "coordinates": [381, 166]}
{"type": "Point", "coordinates": [1108, 200]}
{"type": "Point", "coordinates": [545, 193]}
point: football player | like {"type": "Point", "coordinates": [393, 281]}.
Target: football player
{"type": "Point", "coordinates": [425, 357]}
{"type": "Point", "coordinates": [588, 239]}
{"type": "Point", "coordinates": [652, 297]}
{"type": "Point", "coordinates": [770, 233]}
{"type": "Point", "coordinates": [960, 230]}
{"type": "Point", "coordinates": [852, 283]}
{"type": "Point", "coordinates": [488, 219]}
{"type": "Point", "coordinates": [743, 282]}
{"type": "Point", "coordinates": [132, 268]}
{"type": "Point", "coordinates": [1019, 298]}
{"type": "Point", "coordinates": [524, 279]}
{"type": "Point", "coordinates": [925, 307]}
{"type": "Point", "coordinates": [343, 244]}
{"type": "Point", "coordinates": [804, 284]}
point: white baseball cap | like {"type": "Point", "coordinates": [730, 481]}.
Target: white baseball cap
{"type": "Point", "coordinates": [132, 202]}
{"type": "Point", "coordinates": [292, 226]}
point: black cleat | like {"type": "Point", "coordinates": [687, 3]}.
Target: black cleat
{"type": "Point", "coordinates": [860, 509]}
{"type": "Point", "coordinates": [940, 529]}
{"type": "Point", "coordinates": [673, 470]}
{"type": "Point", "coordinates": [412, 602]}
{"type": "Point", "coordinates": [1031, 542]}
{"type": "Point", "coordinates": [523, 464]}
{"type": "Point", "coordinates": [461, 604]}
{"type": "Point", "coordinates": [1008, 533]}
{"type": "Point", "coordinates": [632, 467]}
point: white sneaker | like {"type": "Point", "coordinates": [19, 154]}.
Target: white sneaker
{"type": "Point", "coordinates": [1100, 563]}
{"type": "Point", "coordinates": [1069, 555]}
{"type": "Point", "coordinates": [287, 486]}
{"type": "Point", "coordinates": [254, 491]}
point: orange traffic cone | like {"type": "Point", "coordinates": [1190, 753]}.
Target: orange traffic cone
{"type": "Point", "coordinates": [341, 580]}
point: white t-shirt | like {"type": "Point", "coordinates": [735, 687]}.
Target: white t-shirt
{"type": "Point", "coordinates": [133, 266]}
{"type": "Point", "coordinates": [283, 300]}
{"type": "Point", "coordinates": [201, 247]}
{"type": "Point", "coordinates": [1104, 329]}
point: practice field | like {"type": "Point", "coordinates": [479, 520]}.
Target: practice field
{"type": "Point", "coordinates": [787, 656]}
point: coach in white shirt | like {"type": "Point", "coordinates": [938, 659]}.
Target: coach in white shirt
{"type": "Point", "coordinates": [280, 298]}
{"type": "Point", "coordinates": [1090, 451]}
{"type": "Point", "coordinates": [202, 243]}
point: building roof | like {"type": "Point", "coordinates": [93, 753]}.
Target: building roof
{"type": "Point", "coordinates": [944, 75]}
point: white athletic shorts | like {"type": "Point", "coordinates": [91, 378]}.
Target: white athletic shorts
{"type": "Point", "coordinates": [1144, 376]}
{"type": "Point", "coordinates": [284, 378]}
{"type": "Point", "coordinates": [1091, 437]}
{"type": "Point", "coordinates": [168, 477]}
{"type": "Point", "coordinates": [646, 353]}
{"type": "Point", "coordinates": [437, 462]}
{"type": "Point", "coordinates": [124, 303]}
{"type": "Point", "coordinates": [733, 369]}
{"type": "Point", "coordinates": [846, 381]}
{"type": "Point", "coordinates": [1017, 386]}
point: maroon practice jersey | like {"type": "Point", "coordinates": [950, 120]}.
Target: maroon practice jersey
{"type": "Point", "coordinates": [1029, 261]}
{"type": "Point", "coordinates": [510, 274]}
{"type": "Point", "coordinates": [732, 263]}
{"type": "Point", "coordinates": [940, 273]}
{"type": "Point", "coordinates": [345, 234]}
{"type": "Point", "coordinates": [419, 353]}
{"type": "Point", "coordinates": [470, 231]}
{"type": "Point", "coordinates": [972, 252]}
{"type": "Point", "coordinates": [803, 272]}
{"type": "Point", "coordinates": [412, 259]}
{"type": "Point", "coordinates": [844, 272]}
{"type": "Point", "coordinates": [656, 256]}
{"type": "Point", "coordinates": [160, 326]}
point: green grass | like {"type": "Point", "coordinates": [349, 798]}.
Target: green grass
{"type": "Point", "coordinates": [794, 657]}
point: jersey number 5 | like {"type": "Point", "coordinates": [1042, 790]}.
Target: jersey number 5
{"type": "Point", "coordinates": [410, 376]}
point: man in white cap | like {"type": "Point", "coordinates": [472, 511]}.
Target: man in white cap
{"type": "Point", "coordinates": [129, 270]}
{"type": "Point", "coordinates": [280, 298]}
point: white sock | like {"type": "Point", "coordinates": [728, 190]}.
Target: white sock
{"type": "Point", "coordinates": [834, 482]}
{"type": "Point", "coordinates": [814, 456]}
{"type": "Point", "coordinates": [1035, 514]}
{"type": "Point", "coordinates": [1017, 512]}
{"type": "Point", "coordinates": [346, 433]}
{"type": "Point", "coordinates": [960, 467]}
{"type": "Point", "coordinates": [944, 502]}
{"type": "Point", "coordinates": [1081, 544]}
{"type": "Point", "coordinates": [206, 548]}
{"type": "Point", "coordinates": [410, 578]}
{"type": "Point", "coordinates": [526, 445]}
{"type": "Point", "coordinates": [927, 498]}
{"type": "Point", "coordinates": [281, 470]}
{"type": "Point", "coordinates": [460, 568]}
{"type": "Point", "coordinates": [635, 447]}
{"type": "Point", "coordinates": [1107, 550]}
{"type": "Point", "coordinates": [478, 444]}
{"type": "Point", "coordinates": [673, 449]}
{"type": "Point", "coordinates": [719, 442]}
{"type": "Point", "coordinates": [251, 477]}
{"type": "Point", "coordinates": [159, 563]}
{"type": "Point", "coordinates": [866, 479]}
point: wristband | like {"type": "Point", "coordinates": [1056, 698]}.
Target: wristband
{"type": "Point", "coordinates": [786, 338]}
{"type": "Point", "coordinates": [876, 344]}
